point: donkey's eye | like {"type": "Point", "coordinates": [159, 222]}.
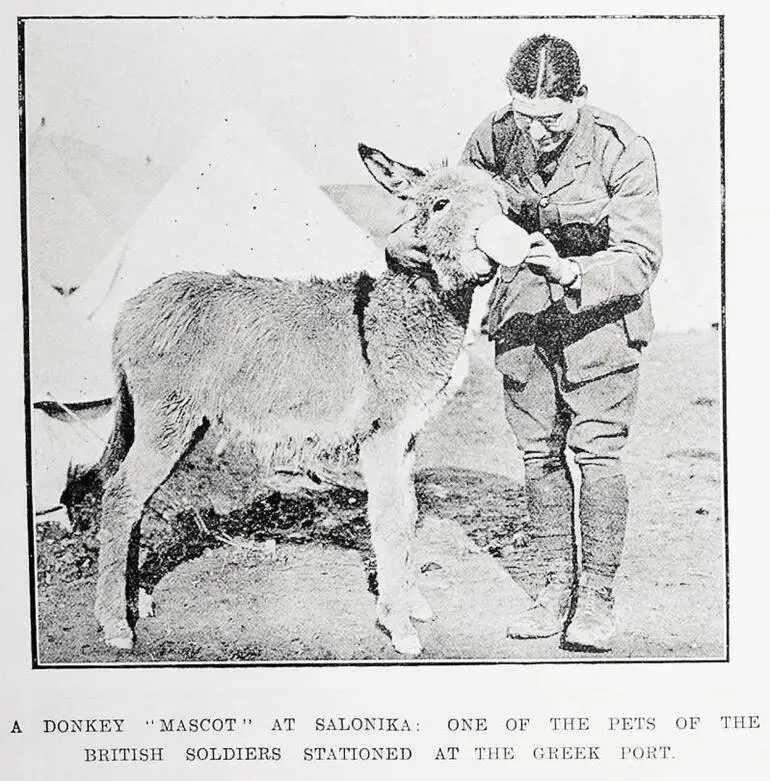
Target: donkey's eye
{"type": "Point", "coordinates": [440, 204]}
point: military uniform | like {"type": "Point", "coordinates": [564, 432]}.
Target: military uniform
{"type": "Point", "coordinates": [605, 170]}
{"type": "Point", "coordinates": [570, 358]}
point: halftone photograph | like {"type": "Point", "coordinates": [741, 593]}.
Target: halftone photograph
{"type": "Point", "coordinates": [374, 340]}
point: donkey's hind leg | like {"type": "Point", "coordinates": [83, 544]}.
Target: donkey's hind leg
{"type": "Point", "coordinates": [392, 512]}
{"type": "Point", "coordinates": [145, 467]}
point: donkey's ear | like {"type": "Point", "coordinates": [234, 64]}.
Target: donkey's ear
{"type": "Point", "coordinates": [396, 178]}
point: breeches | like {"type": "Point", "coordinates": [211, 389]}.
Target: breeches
{"type": "Point", "coordinates": [592, 419]}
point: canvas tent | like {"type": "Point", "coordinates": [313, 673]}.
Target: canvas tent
{"type": "Point", "coordinates": [70, 388]}
{"type": "Point", "coordinates": [69, 357]}
{"type": "Point", "coordinates": [80, 200]}
{"type": "Point", "coordinates": [240, 202]}
{"type": "Point", "coordinates": [369, 206]}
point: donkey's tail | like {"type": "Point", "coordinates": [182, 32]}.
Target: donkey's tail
{"type": "Point", "coordinates": [122, 435]}
{"type": "Point", "coordinates": [90, 480]}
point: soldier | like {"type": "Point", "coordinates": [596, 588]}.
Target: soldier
{"type": "Point", "coordinates": [569, 324]}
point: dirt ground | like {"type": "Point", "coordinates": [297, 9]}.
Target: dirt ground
{"type": "Point", "coordinates": [248, 574]}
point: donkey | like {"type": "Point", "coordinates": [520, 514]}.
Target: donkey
{"type": "Point", "coordinates": [343, 372]}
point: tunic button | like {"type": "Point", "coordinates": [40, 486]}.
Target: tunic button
{"type": "Point", "coordinates": [544, 201]}
{"type": "Point", "coordinates": [547, 231]}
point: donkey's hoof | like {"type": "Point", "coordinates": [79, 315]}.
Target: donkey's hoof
{"type": "Point", "coordinates": [419, 608]}
{"type": "Point", "coordinates": [121, 643]}
{"type": "Point", "coordinates": [402, 634]}
{"type": "Point", "coordinates": [407, 644]}
{"type": "Point", "coordinates": [118, 634]}
{"type": "Point", "coordinates": [146, 604]}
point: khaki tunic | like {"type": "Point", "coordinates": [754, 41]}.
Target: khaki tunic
{"type": "Point", "coordinates": [605, 171]}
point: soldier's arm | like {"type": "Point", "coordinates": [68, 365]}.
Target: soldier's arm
{"type": "Point", "coordinates": [630, 263]}
{"type": "Point", "coordinates": [479, 149]}
{"type": "Point", "coordinates": [480, 152]}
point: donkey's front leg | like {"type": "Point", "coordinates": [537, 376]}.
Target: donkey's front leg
{"type": "Point", "coordinates": [391, 509]}
{"type": "Point", "coordinates": [419, 607]}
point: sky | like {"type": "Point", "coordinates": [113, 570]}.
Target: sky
{"type": "Point", "coordinates": [415, 89]}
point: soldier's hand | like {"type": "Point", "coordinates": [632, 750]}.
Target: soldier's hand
{"type": "Point", "coordinates": [542, 259]}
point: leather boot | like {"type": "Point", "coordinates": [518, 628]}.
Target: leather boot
{"type": "Point", "coordinates": [548, 613]}
{"type": "Point", "coordinates": [592, 627]}
{"type": "Point", "coordinates": [549, 502]}
{"type": "Point", "coordinates": [603, 514]}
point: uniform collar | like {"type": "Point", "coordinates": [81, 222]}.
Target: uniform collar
{"type": "Point", "coordinates": [503, 112]}
{"type": "Point", "coordinates": [577, 152]}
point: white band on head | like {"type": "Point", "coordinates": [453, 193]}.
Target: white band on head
{"type": "Point", "coordinates": [538, 107]}
{"type": "Point", "coordinates": [540, 74]}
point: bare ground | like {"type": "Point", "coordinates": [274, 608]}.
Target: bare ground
{"type": "Point", "coordinates": [247, 574]}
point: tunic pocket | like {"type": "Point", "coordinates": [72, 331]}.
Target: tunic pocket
{"type": "Point", "coordinates": [590, 211]}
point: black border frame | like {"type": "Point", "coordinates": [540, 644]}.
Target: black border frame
{"type": "Point", "coordinates": [37, 665]}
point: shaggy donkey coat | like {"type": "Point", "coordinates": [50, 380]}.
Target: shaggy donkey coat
{"type": "Point", "coordinates": [342, 373]}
